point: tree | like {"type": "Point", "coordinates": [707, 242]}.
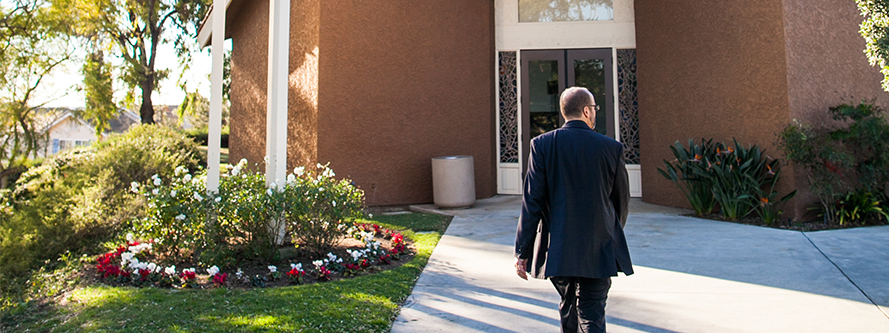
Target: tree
{"type": "Point", "coordinates": [31, 47]}
{"type": "Point", "coordinates": [97, 86]}
{"type": "Point", "coordinates": [875, 30]}
{"type": "Point", "coordinates": [137, 28]}
{"type": "Point", "coordinates": [197, 107]}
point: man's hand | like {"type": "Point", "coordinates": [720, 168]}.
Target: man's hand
{"type": "Point", "coordinates": [520, 268]}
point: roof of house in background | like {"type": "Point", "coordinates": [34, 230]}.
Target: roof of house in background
{"type": "Point", "coordinates": [119, 124]}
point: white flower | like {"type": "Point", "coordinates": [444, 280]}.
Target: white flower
{"type": "Point", "coordinates": [334, 203]}
{"type": "Point", "coordinates": [126, 257]}
{"type": "Point", "coordinates": [187, 178]}
{"type": "Point", "coordinates": [266, 159]}
{"type": "Point", "coordinates": [318, 263]}
{"type": "Point", "coordinates": [299, 171]}
{"type": "Point", "coordinates": [321, 189]}
{"type": "Point", "coordinates": [157, 182]}
{"type": "Point", "coordinates": [197, 196]}
{"type": "Point", "coordinates": [170, 270]}
{"type": "Point", "coordinates": [319, 165]}
{"type": "Point", "coordinates": [328, 173]}
{"type": "Point", "coordinates": [139, 248]}
{"type": "Point", "coordinates": [173, 193]}
{"type": "Point", "coordinates": [218, 199]}
{"type": "Point", "coordinates": [239, 273]}
{"type": "Point", "coordinates": [290, 179]}
{"type": "Point", "coordinates": [130, 237]}
{"type": "Point", "coordinates": [298, 267]}
{"type": "Point", "coordinates": [273, 269]}
{"type": "Point", "coordinates": [151, 267]}
{"type": "Point", "coordinates": [155, 192]}
{"type": "Point", "coordinates": [269, 191]}
{"type": "Point", "coordinates": [242, 162]}
{"type": "Point", "coordinates": [180, 217]}
{"type": "Point", "coordinates": [180, 170]}
{"type": "Point", "coordinates": [236, 170]}
{"type": "Point", "coordinates": [134, 187]}
{"type": "Point", "coordinates": [213, 270]}
{"type": "Point", "coordinates": [331, 256]}
{"type": "Point", "coordinates": [339, 260]}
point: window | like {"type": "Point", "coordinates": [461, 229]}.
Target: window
{"type": "Point", "coordinates": [63, 145]}
{"type": "Point", "coordinates": [565, 10]}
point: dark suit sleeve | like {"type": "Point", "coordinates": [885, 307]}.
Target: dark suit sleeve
{"type": "Point", "coordinates": [534, 202]}
{"type": "Point", "coordinates": [620, 194]}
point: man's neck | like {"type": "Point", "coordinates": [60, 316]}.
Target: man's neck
{"type": "Point", "coordinates": [579, 119]}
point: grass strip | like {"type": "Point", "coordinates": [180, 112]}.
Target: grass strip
{"type": "Point", "coordinates": [363, 304]}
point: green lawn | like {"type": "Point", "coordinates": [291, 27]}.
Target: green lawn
{"type": "Point", "coordinates": [364, 304]}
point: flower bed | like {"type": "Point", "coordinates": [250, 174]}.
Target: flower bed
{"type": "Point", "coordinates": [370, 249]}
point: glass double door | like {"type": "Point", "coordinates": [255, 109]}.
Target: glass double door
{"type": "Point", "coordinates": [546, 73]}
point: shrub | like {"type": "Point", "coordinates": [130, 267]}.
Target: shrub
{"type": "Point", "coordinates": [79, 199]}
{"type": "Point", "coordinates": [321, 209]}
{"type": "Point", "coordinates": [175, 214]}
{"type": "Point", "coordinates": [737, 177]}
{"type": "Point", "coordinates": [245, 208]}
{"type": "Point", "coordinates": [682, 172]}
{"type": "Point", "coordinates": [200, 136]}
{"type": "Point", "coordinates": [733, 177]}
{"type": "Point", "coordinates": [857, 207]}
{"type": "Point", "coordinates": [246, 218]}
{"type": "Point", "coordinates": [845, 159]}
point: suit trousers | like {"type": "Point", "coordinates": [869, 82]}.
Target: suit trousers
{"type": "Point", "coordinates": [583, 303]}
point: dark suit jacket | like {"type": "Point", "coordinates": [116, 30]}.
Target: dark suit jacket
{"type": "Point", "coordinates": [574, 205]}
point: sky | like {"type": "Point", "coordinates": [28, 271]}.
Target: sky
{"type": "Point", "coordinates": [59, 89]}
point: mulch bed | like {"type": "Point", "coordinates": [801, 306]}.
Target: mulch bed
{"type": "Point", "coordinates": [791, 225]}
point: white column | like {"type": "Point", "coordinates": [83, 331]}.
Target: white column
{"type": "Point", "coordinates": [215, 125]}
{"type": "Point", "coordinates": [276, 125]}
{"type": "Point", "coordinates": [276, 119]}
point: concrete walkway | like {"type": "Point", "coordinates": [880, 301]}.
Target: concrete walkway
{"type": "Point", "coordinates": [692, 275]}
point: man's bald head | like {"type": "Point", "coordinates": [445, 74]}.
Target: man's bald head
{"type": "Point", "coordinates": [573, 100]}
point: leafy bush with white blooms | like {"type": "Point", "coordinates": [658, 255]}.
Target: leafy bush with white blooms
{"type": "Point", "coordinates": [321, 209]}
{"type": "Point", "coordinates": [242, 220]}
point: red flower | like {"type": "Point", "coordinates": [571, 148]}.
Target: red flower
{"type": "Point", "coordinates": [832, 168]}
{"type": "Point", "coordinates": [385, 258]}
{"type": "Point", "coordinates": [188, 275]}
{"type": "Point", "coordinates": [220, 278]}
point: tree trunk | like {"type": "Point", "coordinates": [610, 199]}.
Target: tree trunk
{"type": "Point", "coordinates": [147, 109]}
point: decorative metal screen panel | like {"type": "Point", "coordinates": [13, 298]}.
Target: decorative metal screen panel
{"type": "Point", "coordinates": [509, 125]}
{"type": "Point", "coordinates": [627, 102]}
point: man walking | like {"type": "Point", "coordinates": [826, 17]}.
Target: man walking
{"type": "Point", "coordinates": [574, 208]}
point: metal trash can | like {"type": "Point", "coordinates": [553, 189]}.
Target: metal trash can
{"type": "Point", "coordinates": [453, 181]}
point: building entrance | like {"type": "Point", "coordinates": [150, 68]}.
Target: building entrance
{"type": "Point", "coordinates": [546, 73]}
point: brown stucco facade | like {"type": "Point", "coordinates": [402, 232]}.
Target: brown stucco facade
{"type": "Point", "coordinates": [376, 89]}
{"type": "Point", "coordinates": [744, 70]}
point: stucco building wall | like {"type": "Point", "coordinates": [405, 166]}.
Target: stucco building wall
{"type": "Point", "coordinates": [707, 69]}
{"type": "Point", "coordinates": [249, 89]}
{"type": "Point", "coordinates": [826, 66]}
{"type": "Point", "coordinates": [726, 70]}
{"type": "Point", "coordinates": [376, 95]}
{"type": "Point", "coordinates": [412, 81]}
